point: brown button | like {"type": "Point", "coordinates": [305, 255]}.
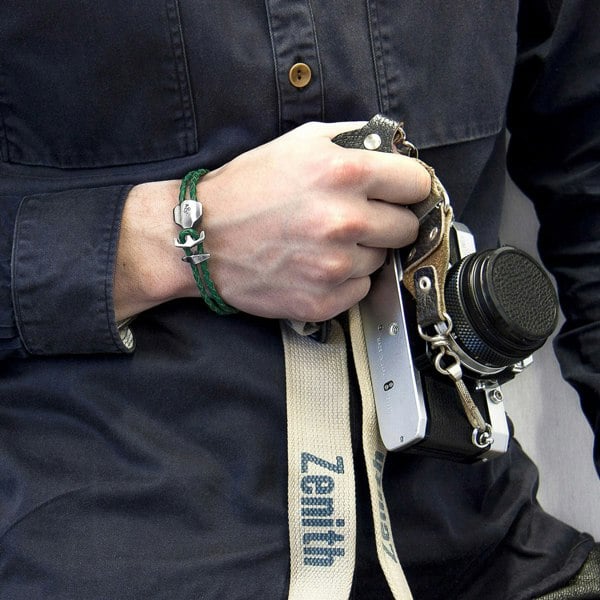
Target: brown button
{"type": "Point", "coordinates": [300, 75]}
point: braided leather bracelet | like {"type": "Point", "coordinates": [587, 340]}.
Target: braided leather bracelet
{"type": "Point", "coordinates": [188, 214]}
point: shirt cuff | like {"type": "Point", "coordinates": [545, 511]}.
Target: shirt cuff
{"type": "Point", "coordinates": [64, 253]}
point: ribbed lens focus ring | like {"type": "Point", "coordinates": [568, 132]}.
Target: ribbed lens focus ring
{"type": "Point", "coordinates": [502, 304]}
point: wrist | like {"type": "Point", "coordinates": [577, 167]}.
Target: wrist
{"type": "Point", "coordinates": [148, 268]}
{"type": "Point", "coordinates": [188, 215]}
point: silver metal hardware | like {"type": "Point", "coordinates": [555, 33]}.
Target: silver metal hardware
{"type": "Point", "coordinates": [407, 148]}
{"type": "Point", "coordinates": [187, 214]}
{"type": "Point", "coordinates": [483, 438]}
{"type": "Point", "coordinates": [195, 259]}
{"type": "Point", "coordinates": [372, 141]}
{"type": "Point", "coordinates": [190, 242]}
{"type": "Point", "coordinates": [425, 284]}
{"type": "Point", "coordinates": [522, 365]}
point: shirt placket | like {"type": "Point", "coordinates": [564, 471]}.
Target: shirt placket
{"type": "Point", "coordinates": [298, 72]}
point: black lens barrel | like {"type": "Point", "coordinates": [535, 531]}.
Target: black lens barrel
{"type": "Point", "coordinates": [502, 304]}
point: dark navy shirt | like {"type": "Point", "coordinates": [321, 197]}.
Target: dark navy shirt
{"type": "Point", "coordinates": [161, 472]}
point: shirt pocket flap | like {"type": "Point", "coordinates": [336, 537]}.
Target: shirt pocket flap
{"type": "Point", "coordinates": [93, 86]}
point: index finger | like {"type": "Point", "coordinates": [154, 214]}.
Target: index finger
{"type": "Point", "coordinates": [391, 177]}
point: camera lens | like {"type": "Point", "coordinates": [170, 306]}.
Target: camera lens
{"type": "Point", "coordinates": [502, 304]}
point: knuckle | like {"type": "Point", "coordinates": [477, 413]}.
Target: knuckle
{"type": "Point", "coordinates": [331, 269]}
{"type": "Point", "coordinates": [315, 308]}
{"type": "Point", "coordinates": [339, 222]}
{"type": "Point", "coordinates": [337, 268]}
{"type": "Point", "coordinates": [343, 169]}
{"type": "Point", "coordinates": [352, 225]}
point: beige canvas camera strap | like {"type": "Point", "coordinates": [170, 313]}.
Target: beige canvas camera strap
{"type": "Point", "coordinates": [321, 493]}
{"type": "Point", "coordinates": [321, 506]}
{"type": "Point", "coordinates": [374, 453]}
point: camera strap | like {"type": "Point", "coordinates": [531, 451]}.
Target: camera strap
{"type": "Point", "coordinates": [321, 505]}
{"type": "Point", "coordinates": [321, 486]}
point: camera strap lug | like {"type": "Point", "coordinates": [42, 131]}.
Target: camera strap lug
{"type": "Point", "coordinates": [448, 363]}
{"type": "Point", "coordinates": [428, 296]}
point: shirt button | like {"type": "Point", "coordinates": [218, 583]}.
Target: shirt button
{"type": "Point", "coordinates": [300, 75]}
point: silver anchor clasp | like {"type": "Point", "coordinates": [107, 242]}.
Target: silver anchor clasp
{"type": "Point", "coordinates": [187, 214]}
{"type": "Point", "coordinates": [190, 242]}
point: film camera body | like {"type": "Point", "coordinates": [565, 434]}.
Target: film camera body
{"type": "Point", "coordinates": [438, 383]}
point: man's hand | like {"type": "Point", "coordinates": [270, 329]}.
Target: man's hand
{"type": "Point", "coordinates": [294, 228]}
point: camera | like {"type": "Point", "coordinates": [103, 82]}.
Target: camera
{"type": "Point", "coordinates": [437, 375]}
{"type": "Point", "coordinates": [501, 306]}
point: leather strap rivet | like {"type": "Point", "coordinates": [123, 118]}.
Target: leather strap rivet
{"type": "Point", "coordinates": [372, 141]}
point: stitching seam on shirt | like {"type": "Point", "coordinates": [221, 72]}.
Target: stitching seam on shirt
{"type": "Point", "coordinates": [4, 154]}
{"type": "Point", "coordinates": [377, 55]}
{"type": "Point", "coordinates": [3, 138]}
{"type": "Point", "coordinates": [183, 75]}
{"type": "Point", "coordinates": [275, 67]}
{"type": "Point", "coordinates": [111, 258]}
{"type": "Point", "coordinates": [318, 55]}
{"type": "Point", "coordinates": [14, 275]}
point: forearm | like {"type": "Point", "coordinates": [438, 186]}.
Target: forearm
{"type": "Point", "coordinates": [294, 228]}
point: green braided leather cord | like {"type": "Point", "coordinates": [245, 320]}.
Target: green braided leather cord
{"type": "Point", "coordinates": [202, 276]}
